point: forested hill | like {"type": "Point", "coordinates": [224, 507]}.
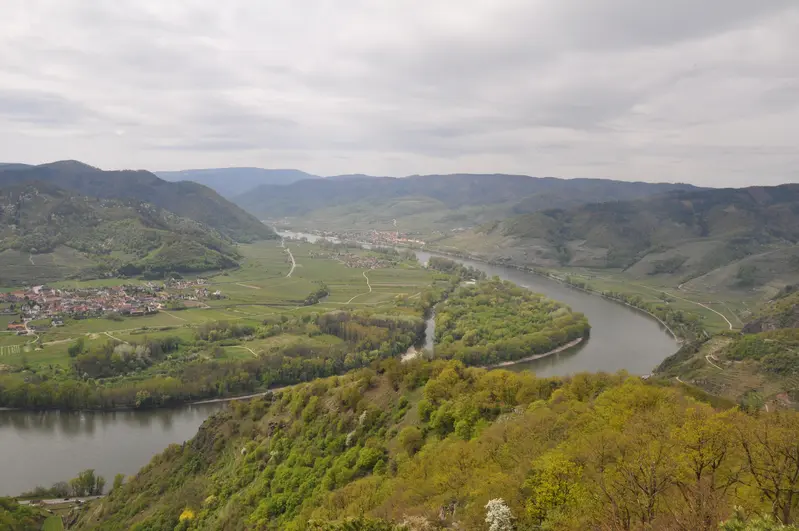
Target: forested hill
{"type": "Point", "coordinates": [186, 199]}
{"type": "Point", "coordinates": [230, 182]}
{"type": "Point", "coordinates": [433, 445]}
{"type": "Point", "coordinates": [81, 235]}
{"type": "Point", "coordinates": [731, 237]}
{"type": "Point", "coordinates": [441, 200]}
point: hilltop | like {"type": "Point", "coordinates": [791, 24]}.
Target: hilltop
{"type": "Point", "coordinates": [186, 199]}
{"type": "Point", "coordinates": [48, 233]}
{"type": "Point", "coordinates": [430, 202]}
{"type": "Point", "coordinates": [230, 182]}
{"type": "Point", "coordinates": [421, 446]}
{"type": "Point", "coordinates": [732, 238]}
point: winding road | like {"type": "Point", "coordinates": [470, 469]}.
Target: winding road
{"type": "Point", "coordinates": [690, 302]}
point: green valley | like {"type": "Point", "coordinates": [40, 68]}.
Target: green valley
{"type": "Point", "coordinates": [276, 320]}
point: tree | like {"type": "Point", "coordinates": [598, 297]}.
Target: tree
{"type": "Point", "coordinates": [704, 476]}
{"type": "Point", "coordinates": [119, 480]}
{"type": "Point", "coordinates": [87, 484]}
{"type": "Point", "coordinates": [411, 439]}
{"type": "Point", "coordinates": [77, 348]}
{"type": "Point", "coordinates": [771, 449]}
{"type": "Point", "coordinates": [498, 516]}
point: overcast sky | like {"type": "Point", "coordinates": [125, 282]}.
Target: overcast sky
{"type": "Point", "coordinates": [681, 90]}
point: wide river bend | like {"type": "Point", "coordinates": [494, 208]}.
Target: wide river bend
{"type": "Point", "coordinates": [40, 448]}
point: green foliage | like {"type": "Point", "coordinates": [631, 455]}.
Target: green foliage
{"type": "Point", "coordinates": [15, 517]}
{"type": "Point", "coordinates": [165, 371]}
{"type": "Point", "coordinates": [586, 452]}
{"type": "Point", "coordinates": [495, 321]}
{"type": "Point", "coordinates": [77, 348]}
{"type": "Point", "coordinates": [87, 484]}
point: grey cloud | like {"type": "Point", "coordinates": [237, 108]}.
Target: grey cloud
{"type": "Point", "coordinates": [43, 109]}
{"type": "Point", "coordinates": [679, 90]}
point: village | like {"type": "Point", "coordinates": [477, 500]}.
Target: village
{"type": "Point", "coordinates": [39, 303]}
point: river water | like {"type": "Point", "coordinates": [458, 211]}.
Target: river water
{"type": "Point", "coordinates": [42, 448]}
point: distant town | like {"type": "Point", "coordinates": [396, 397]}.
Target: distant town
{"type": "Point", "coordinates": [56, 304]}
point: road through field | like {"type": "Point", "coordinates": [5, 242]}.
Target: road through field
{"type": "Point", "coordinates": [365, 293]}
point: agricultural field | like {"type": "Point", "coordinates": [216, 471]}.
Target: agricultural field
{"type": "Point", "coordinates": [260, 288]}
{"type": "Point", "coordinates": [262, 324]}
{"type": "Point", "coordinates": [719, 311]}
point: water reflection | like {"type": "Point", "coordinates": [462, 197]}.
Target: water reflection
{"type": "Point", "coordinates": [40, 448]}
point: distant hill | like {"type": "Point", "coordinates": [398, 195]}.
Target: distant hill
{"type": "Point", "coordinates": [13, 166]}
{"type": "Point", "coordinates": [47, 233]}
{"type": "Point", "coordinates": [431, 201]}
{"type": "Point", "coordinates": [230, 182]}
{"type": "Point", "coordinates": [186, 199]}
{"type": "Point", "coordinates": [738, 238]}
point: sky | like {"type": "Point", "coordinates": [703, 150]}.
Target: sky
{"type": "Point", "coordinates": [679, 91]}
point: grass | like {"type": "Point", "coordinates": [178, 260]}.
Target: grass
{"type": "Point", "coordinates": [53, 523]}
{"type": "Point", "coordinates": [257, 290]}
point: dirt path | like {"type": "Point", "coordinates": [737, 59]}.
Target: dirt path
{"type": "Point", "coordinates": [365, 293]}
{"type": "Point", "coordinates": [707, 358]}
{"type": "Point", "coordinates": [245, 397]}
{"type": "Point", "coordinates": [176, 317]}
{"type": "Point", "coordinates": [116, 338]}
{"type": "Point", "coordinates": [245, 348]}
{"type": "Point", "coordinates": [245, 286]}
{"type": "Point", "coordinates": [293, 263]}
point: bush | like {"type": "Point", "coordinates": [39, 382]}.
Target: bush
{"type": "Point", "coordinates": [411, 439]}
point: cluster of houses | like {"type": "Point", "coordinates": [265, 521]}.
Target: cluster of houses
{"type": "Point", "coordinates": [44, 302]}
{"type": "Point", "coordinates": [354, 260]}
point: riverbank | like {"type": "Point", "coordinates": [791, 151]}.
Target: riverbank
{"type": "Point", "coordinates": [534, 357]}
{"type": "Point", "coordinates": [533, 271]}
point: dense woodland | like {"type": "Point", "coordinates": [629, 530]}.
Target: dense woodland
{"type": "Point", "coordinates": [437, 445]}
{"type": "Point", "coordinates": [493, 321]}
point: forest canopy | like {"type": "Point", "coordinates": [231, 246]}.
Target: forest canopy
{"type": "Point", "coordinates": [494, 321]}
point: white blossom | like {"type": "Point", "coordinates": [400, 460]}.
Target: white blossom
{"type": "Point", "coordinates": [498, 516]}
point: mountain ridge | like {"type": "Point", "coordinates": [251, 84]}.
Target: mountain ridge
{"type": "Point", "coordinates": [64, 234]}
{"type": "Point", "coordinates": [186, 199]}
{"type": "Point", "coordinates": [449, 200]}
{"type": "Point", "coordinates": [229, 182]}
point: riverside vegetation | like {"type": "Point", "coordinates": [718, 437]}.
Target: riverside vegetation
{"type": "Point", "coordinates": [432, 445]}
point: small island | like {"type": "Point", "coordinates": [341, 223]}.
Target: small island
{"type": "Point", "coordinates": [496, 323]}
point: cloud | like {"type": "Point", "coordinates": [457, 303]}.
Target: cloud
{"type": "Point", "coordinates": [677, 91]}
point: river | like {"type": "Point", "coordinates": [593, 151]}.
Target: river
{"type": "Point", "coordinates": [42, 448]}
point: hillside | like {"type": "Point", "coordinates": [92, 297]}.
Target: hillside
{"type": "Point", "coordinates": [756, 368]}
{"type": "Point", "coordinates": [427, 202]}
{"type": "Point", "coordinates": [439, 446]}
{"type": "Point", "coordinates": [47, 233]}
{"type": "Point", "coordinates": [186, 199]}
{"type": "Point", "coordinates": [230, 182]}
{"type": "Point", "coordinates": [736, 238]}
